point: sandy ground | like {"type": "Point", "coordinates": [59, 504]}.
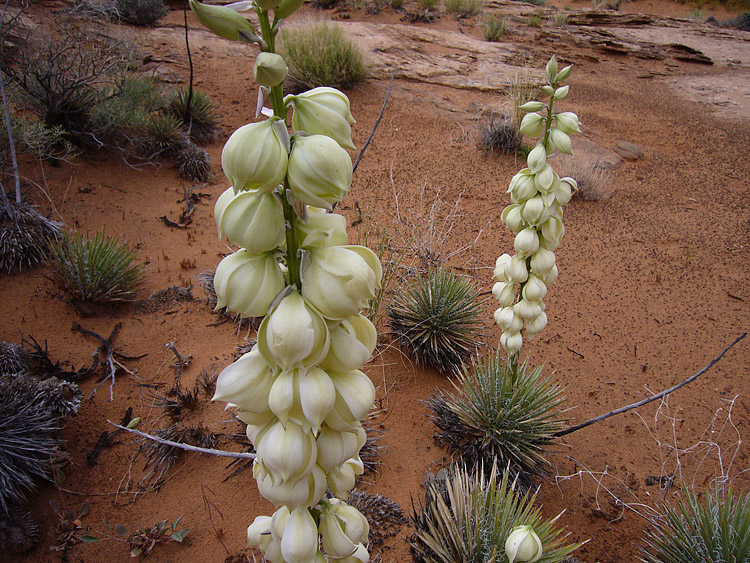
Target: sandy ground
{"type": "Point", "coordinates": [653, 285]}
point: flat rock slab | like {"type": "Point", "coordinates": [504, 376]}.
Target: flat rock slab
{"type": "Point", "coordinates": [627, 150]}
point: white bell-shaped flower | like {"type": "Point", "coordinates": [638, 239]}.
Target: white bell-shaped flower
{"type": "Point", "coordinates": [293, 335]}
{"type": "Point", "coordinates": [512, 218]}
{"type": "Point", "coordinates": [532, 124]}
{"type": "Point", "coordinates": [536, 326]}
{"type": "Point", "coordinates": [352, 344]}
{"type": "Point", "coordinates": [505, 293]}
{"type": "Point", "coordinates": [299, 541]}
{"type": "Point", "coordinates": [302, 396]}
{"type": "Point", "coordinates": [340, 280]}
{"type": "Point", "coordinates": [304, 492]}
{"type": "Point", "coordinates": [355, 394]}
{"type": "Point", "coordinates": [500, 265]}
{"type": "Point", "coordinates": [251, 220]}
{"type": "Point", "coordinates": [323, 111]}
{"type": "Point", "coordinates": [255, 158]}
{"type": "Point", "coordinates": [321, 229]}
{"type": "Point", "coordinates": [335, 448]}
{"type": "Point", "coordinates": [320, 171]}
{"type": "Point", "coordinates": [246, 382]}
{"type": "Point", "coordinates": [342, 480]}
{"type": "Point", "coordinates": [270, 69]}
{"type": "Point", "coordinates": [288, 453]}
{"type": "Point", "coordinates": [259, 532]}
{"type": "Point", "coordinates": [542, 261]}
{"type": "Point", "coordinates": [567, 122]}
{"type": "Point", "coordinates": [523, 545]}
{"type": "Point", "coordinates": [507, 319]}
{"type": "Point", "coordinates": [248, 283]}
{"type": "Point", "coordinates": [534, 289]}
{"type": "Point", "coordinates": [552, 233]}
{"type": "Point", "coordinates": [528, 310]}
{"type": "Point", "coordinates": [360, 555]}
{"type": "Point", "coordinates": [511, 342]}
{"type": "Point", "coordinates": [526, 242]}
{"type": "Point", "coordinates": [537, 158]}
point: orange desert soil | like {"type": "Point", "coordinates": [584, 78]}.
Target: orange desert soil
{"type": "Point", "coordinates": [654, 282]}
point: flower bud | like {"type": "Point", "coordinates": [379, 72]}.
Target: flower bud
{"type": "Point", "coordinates": [251, 220]}
{"type": "Point", "coordinates": [353, 522]}
{"type": "Point", "coordinates": [536, 326]}
{"type": "Point", "coordinates": [567, 122]}
{"type": "Point", "coordinates": [288, 454]}
{"type": "Point", "coordinates": [527, 310]}
{"type": "Point", "coordinates": [259, 532]}
{"type": "Point", "coordinates": [542, 261]}
{"type": "Point", "coordinates": [248, 283]}
{"type": "Point", "coordinates": [564, 73]}
{"type": "Point", "coordinates": [523, 545]}
{"type": "Point", "coordinates": [537, 158]}
{"type": "Point", "coordinates": [507, 319]}
{"type": "Point", "coordinates": [299, 543]}
{"type": "Point", "coordinates": [534, 289]}
{"type": "Point", "coordinates": [531, 106]}
{"type": "Point", "coordinates": [293, 335]}
{"type": "Point", "coordinates": [321, 229]}
{"type": "Point", "coordinates": [561, 141]}
{"type": "Point", "coordinates": [561, 92]}
{"type": "Point", "coordinates": [513, 218]}
{"type": "Point", "coordinates": [323, 111]}
{"type": "Point", "coordinates": [340, 280]}
{"type": "Point", "coordinates": [565, 190]}
{"type": "Point", "coordinates": [254, 158]}
{"type": "Point", "coordinates": [526, 242]}
{"type": "Point", "coordinates": [532, 124]}
{"type": "Point", "coordinates": [545, 180]}
{"type": "Point", "coordinates": [342, 480]}
{"type": "Point", "coordinates": [352, 344]}
{"type": "Point", "coordinates": [335, 448]}
{"type": "Point", "coordinates": [270, 69]}
{"type": "Point", "coordinates": [533, 211]}
{"type": "Point", "coordinates": [551, 70]}
{"type": "Point", "coordinates": [304, 492]}
{"type": "Point", "coordinates": [320, 171]}
{"type": "Point", "coordinates": [512, 342]}
{"type": "Point", "coordinates": [246, 383]}
{"type": "Point", "coordinates": [505, 293]}
{"type": "Point", "coordinates": [547, 90]}
{"type": "Point", "coordinates": [500, 265]}
{"type": "Point", "coordinates": [552, 233]}
{"type": "Point", "coordinates": [355, 394]}
{"type": "Point", "coordinates": [224, 22]}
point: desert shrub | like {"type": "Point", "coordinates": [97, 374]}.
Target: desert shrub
{"type": "Point", "coordinates": [193, 163]}
{"type": "Point", "coordinates": [324, 4]}
{"type": "Point", "coordinates": [464, 8]}
{"type": "Point", "coordinates": [696, 15]}
{"type": "Point", "coordinates": [716, 529]}
{"type": "Point", "coordinates": [163, 136]}
{"type": "Point", "coordinates": [500, 413]}
{"type": "Point", "coordinates": [95, 268]}
{"type": "Point", "coordinates": [427, 4]}
{"type": "Point", "coordinates": [397, 4]}
{"type": "Point", "coordinates": [591, 172]}
{"type": "Point", "coordinates": [467, 515]}
{"type": "Point", "coordinates": [24, 236]}
{"type": "Point", "coordinates": [321, 55]}
{"type": "Point", "coordinates": [141, 12]}
{"type": "Point", "coordinates": [535, 2]}
{"type": "Point", "coordinates": [534, 20]}
{"type": "Point", "coordinates": [741, 22]}
{"type": "Point", "coordinates": [494, 27]}
{"type": "Point", "coordinates": [436, 319]}
{"type": "Point", "coordinates": [198, 115]}
{"type": "Point", "coordinates": [560, 19]}
{"type": "Point", "coordinates": [521, 89]}
{"type": "Point", "coordinates": [499, 134]}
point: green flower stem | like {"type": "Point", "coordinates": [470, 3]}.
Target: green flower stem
{"type": "Point", "coordinates": [279, 110]}
{"type": "Point", "coordinates": [548, 125]}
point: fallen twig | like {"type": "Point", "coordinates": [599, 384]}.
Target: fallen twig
{"type": "Point", "coordinates": [377, 122]}
{"type": "Point", "coordinates": [210, 451]}
{"type": "Point", "coordinates": [652, 398]}
{"type": "Point", "coordinates": [182, 361]}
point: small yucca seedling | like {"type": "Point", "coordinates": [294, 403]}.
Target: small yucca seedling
{"type": "Point", "coordinates": [467, 515]}
{"type": "Point", "coordinates": [14, 359]}
{"type": "Point", "coordinates": [199, 119]}
{"type": "Point", "coordinates": [500, 134]}
{"type": "Point", "coordinates": [24, 237]}
{"type": "Point", "coordinates": [95, 268]}
{"type": "Point", "coordinates": [164, 136]}
{"type": "Point", "coordinates": [437, 319]}
{"type": "Point", "coordinates": [502, 413]}
{"type": "Point", "coordinates": [193, 163]}
{"type": "Point", "coordinates": [714, 530]}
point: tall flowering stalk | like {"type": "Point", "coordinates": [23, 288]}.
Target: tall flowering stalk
{"type": "Point", "coordinates": [537, 196]}
{"type": "Point", "coordinates": [300, 389]}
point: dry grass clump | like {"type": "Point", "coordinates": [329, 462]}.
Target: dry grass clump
{"type": "Point", "coordinates": [522, 88]}
{"type": "Point", "coordinates": [95, 268]}
{"type": "Point", "coordinates": [466, 515]}
{"type": "Point", "coordinates": [499, 413]}
{"type": "Point", "coordinates": [499, 134]}
{"type": "Point", "coordinates": [437, 318]}
{"type": "Point", "coordinates": [141, 12]}
{"type": "Point", "coordinates": [464, 8]}
{"type": "Point", "coordinates": [321, 54]}
{"type": "Point", "coordinates": [590, 171]}
{"type": "Point", "coordinates": [494, 27]}
{"type": "Point", "coordinates": [24, 236]}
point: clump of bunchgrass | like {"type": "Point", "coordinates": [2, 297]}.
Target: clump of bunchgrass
{"type": "Point", "coordinates": [141, 12]}
{"type": "Point", "coordinates": [198, 115]}
{"type": "Point", "coordinates": [193, 163]}
{"type": "Point", "coordinates": [499, 412]}
{"type": "Point", "coordinates": [467, 515]}
{"type": "Point", "coordinates": [427, 4]}
{"type": "Point", "coordinates": [591, 172]}
{"type": "Point", "coordinates": [95, 268]}
{"type": "Point", "coordinates": [321, 54]}
{"type": "Point", "coordinates": [500, 134]}
{"type": "Point", "coordinates": [24, 236]}
{"type": "Point", "coordinates": [14, 359]}
{"type": "Point", "coordinates": [494, 27]}
{"type": "Point", "coordinates": [522, 88]}
{"type": "Point", "coordinates": [534, 20]}
{"type": "Point", "coordinates": [464, 8]}
{"type": "Point", "coordinates": [712, 530]}
{"type": "Point", "coordinates": [436, 318]}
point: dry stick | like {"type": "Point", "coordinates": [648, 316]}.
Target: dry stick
{"type": "Point", "coordinates": [11, 142]}
{"type": "Point", "coordinates": [377, 122]}
{"type": "Point", "coordinates": [211, 451]}
{"type": "Point", "coordinates": [653, 398]}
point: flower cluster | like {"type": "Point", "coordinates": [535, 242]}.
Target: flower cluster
{"type": "Point", "coordinates": [300, 389]}
{"type": "Point", "coordinates": [537, 196]}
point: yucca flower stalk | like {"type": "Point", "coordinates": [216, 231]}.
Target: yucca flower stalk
{"type": "Point", "coordinates": [300, 389]}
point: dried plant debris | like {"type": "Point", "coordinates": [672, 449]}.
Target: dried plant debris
{"type": "Point", "coordinates": [14, 359]}
{"type": "Point", "coordinates": [18, 531]}
{"type": "Point", "coordinates": [372, 450]}
{"type": "Point", "coordinates": [24, 236]}
{"type": "Point", "coordinates": [385, 516]}
{"type": "Point", "coordinates": [176, 401]}
{"type": "Point", "coordinates": [165, 299]}
{"type": "Point", "coordinates": [60, 398]}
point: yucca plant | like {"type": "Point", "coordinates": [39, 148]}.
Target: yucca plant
{"type": "Point", "coordinates": [499, 412]}
{"type": "Point", "coordinates": [714, 530]}
{"type": "Point", "coordinates": [467, 515]}
{"type": "Point", "coordinates": [198, 114]}
{"type": "Point", "coordinates": [24, 236]}
{"type": "Point", "coordinates": [193, 163]}
{"type": "Point", "coordinates": [164, 136]}
{"type": "Point", "coordinates": [95, 268]}
{"type": "Point", "coordinates": [437, 318]}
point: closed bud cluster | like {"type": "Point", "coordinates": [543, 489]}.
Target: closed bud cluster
{"type": "Point", "coordinates": [537, 196]}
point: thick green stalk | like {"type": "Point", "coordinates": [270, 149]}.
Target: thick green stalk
{"type": "Point", "coordinates": [548, 125]}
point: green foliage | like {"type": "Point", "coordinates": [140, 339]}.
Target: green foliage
{"type": "Point", "coordinates": [464, 8]}
{"type": "Point", "coordinates": [397, 4]}
{"type": "Point", "coordinates": [466, 516]}
{"type": "Point", "coordinates": [164, 136]}
{"type": "Point", "coordinates": [427, 4]}
{"type": "Point", "coordinates": [198, 115]}
{"type": "Point", "coordinates": [499, 134]}
{"type": "Point", "coordinates": [714, 530]}
{"type": "Point", "coordinates": [437, 319]}
{"type": "Point", "coordinates": [696, 15]}
{"type": "Point", "coordinates": [499, 413]}
{"type": "Point", "coordinates": [535, 2]}
{"type": "Point", "coordinates": [95, 269]}
{"type": "Point", "coordinates": [560, 19]}
{"type": "Point", "coordinates": [324, 4]}
{"type": "Point", "coordinates": [141, 12]}
{"type": "Point", "coordinates": [143, 540]}
{"type": "Point", "coordinates": [320, 54]}
{"type": "Point", "coordinates": [534, 20]}
{"type": "Point", "coordinates": [494, 27]}
{"type": "Point", "coordinates": [741, 22]}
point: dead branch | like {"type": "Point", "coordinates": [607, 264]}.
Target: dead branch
{"type": "Point", "coordinates": [377, 122]}
{"type": "Point", "coordinates": [182, 361]}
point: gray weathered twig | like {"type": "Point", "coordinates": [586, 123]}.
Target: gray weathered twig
{"type": "Point", "coordinates": [375, 127]}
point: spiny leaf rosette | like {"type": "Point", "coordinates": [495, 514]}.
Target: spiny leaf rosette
{"type": "Point", "coordinates": [537, 196]}
{"type": "Point", "coordinates": [300, 389]}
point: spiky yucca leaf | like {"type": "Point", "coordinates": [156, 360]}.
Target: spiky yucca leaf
{"type": "Point", "coordinates": [164, 135]}
{"type": "Point", "coordinates": [500, 412]}
{"type": "Point", "coordinates": [715, 530]}
{"type": "Point", "coordinates": [437, 319]}
{"type": "Point", "coordinates": [24, 236]}
{"type": "Point", "coordinates": [193, 163]}
{"type": "Point", "coordinates": [467, 515]}
{"type": "Point", "coordinates": [199, 119]}
{"type": "Point", "coordinates": [96, 268]}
